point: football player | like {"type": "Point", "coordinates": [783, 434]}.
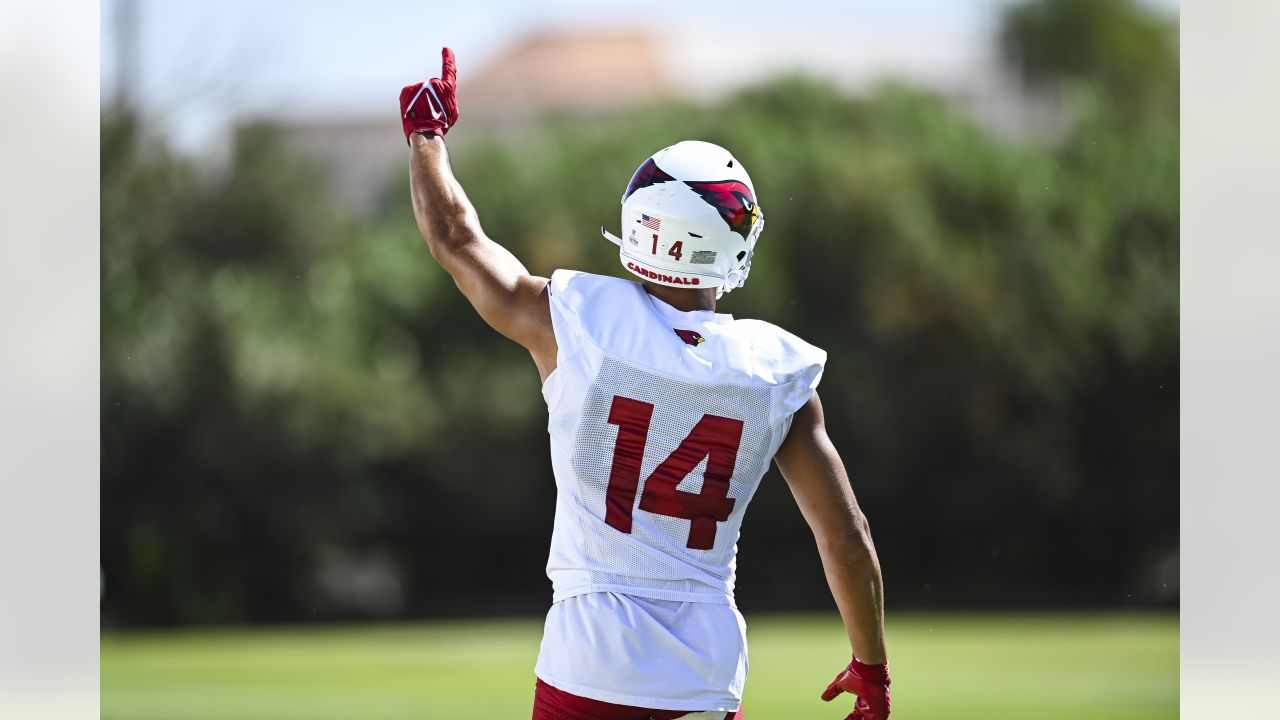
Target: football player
{"type": "Point", "coordinates": [663, 417]}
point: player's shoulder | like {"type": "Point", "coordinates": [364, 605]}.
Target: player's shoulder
{"type": "Point", "coordinates": [587, 295]}
{"type": "Point", "coordinates": [778, 352]}
{"type": "Point", "coordinates": [595, 306]}
{"type": "Point", "coordinates": [779, 358]}
{"type": "Point", "coordinates": [578, 282]}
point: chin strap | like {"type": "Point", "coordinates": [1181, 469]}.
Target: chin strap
{"type": "Point", "coordinates": [611, 237]}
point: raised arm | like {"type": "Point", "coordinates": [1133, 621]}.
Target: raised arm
{"type": "Point", "coordinates": [512, 301]}
{"type": "Point", "coordinates": [817, 478]}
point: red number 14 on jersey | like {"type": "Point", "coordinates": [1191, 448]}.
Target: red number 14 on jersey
{"type": "Point", "coordinates": [713, 437]}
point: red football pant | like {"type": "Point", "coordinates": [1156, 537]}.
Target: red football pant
{"type": "Point", "coordinates": [552, 704]}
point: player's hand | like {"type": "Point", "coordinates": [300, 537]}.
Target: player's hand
{"type": "Point", "coordinates": [431, 108]}
{"type": "Point", "coordinates": [870, 683]}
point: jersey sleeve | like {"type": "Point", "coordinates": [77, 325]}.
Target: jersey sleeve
{"type": "Point", "coordinates": [810, 362]}
{"type": "Point", "coordinates": [584, 308]}
{"type": "Point", "coordinates": [566, 305]}
{"type": "Point", "coordinates": [786, 361]}
{"type": "Point", "coordinates": [570, 296]}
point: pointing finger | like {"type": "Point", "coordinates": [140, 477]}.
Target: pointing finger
{"type": "Point", "coordinates": [449, 69]}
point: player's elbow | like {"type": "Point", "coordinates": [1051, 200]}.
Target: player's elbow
{"type": "Point", "coordinates": [853, 537]}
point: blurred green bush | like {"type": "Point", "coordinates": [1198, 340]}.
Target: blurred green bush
{"type": "Point", "coordinates": [302, 418]}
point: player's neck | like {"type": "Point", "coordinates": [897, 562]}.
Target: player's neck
{"type": "Point", "coordinates": [683, 299]}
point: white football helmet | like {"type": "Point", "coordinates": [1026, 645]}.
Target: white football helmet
{"type": "Point", "coordinates": [690, 218]}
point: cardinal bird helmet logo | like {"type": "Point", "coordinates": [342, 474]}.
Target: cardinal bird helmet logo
{"type": "Point", "coordinates": [733, 200]}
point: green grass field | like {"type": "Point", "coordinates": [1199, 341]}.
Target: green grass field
{"type": "Point", "coordinates": [949, 667]}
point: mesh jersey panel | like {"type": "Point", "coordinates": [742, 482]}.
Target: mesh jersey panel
{"type": "Point", "coordinates": [655, 550]}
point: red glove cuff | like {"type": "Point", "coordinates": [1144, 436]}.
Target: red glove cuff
{"type": "Point", "coordinates": [878, 673]}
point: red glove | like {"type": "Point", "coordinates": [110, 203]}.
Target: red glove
{"type": "Point", "coordinates": [870, 683]}
{"type": "Point", "coordinates": [431, 108]}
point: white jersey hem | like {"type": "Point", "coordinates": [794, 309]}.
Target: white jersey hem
{"type": "Point", "coordinates": [711, 704]}
{"type": "Point", "coordinates": [644, 592]}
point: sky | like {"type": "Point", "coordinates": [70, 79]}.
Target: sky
{"type": "Point", "coordinates": [200, 65]}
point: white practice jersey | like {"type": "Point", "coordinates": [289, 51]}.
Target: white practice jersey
{"type": "Point", "coordinates": [662, 424]}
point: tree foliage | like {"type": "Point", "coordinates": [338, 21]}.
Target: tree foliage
{"type": "Point", "coordinates": [302, 418]}
{"type": "Point", "coordinates": [1116, 45]}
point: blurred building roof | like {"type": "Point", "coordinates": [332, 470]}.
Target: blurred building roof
{"type": "Point", "coordinates": [587, 72]}
{"type": "Point", "coordinates": [579, 72]}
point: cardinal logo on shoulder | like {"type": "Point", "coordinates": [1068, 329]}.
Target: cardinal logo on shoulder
{"type": "Point", "coordinates": [690, 337]}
